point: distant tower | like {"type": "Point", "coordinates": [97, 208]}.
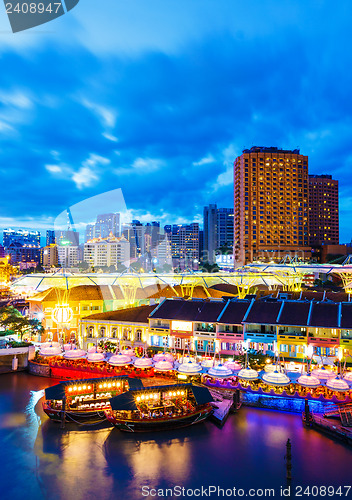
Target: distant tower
{"type": "Point", "coordinates": [323, 210]}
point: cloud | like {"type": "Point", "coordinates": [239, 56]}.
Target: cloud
{"type": "Point", "coordinates": [85, 177]}
{"type": "Point", "coordinates": [181, 112]}
{"type": "Point", "coordinates": [54, 169]}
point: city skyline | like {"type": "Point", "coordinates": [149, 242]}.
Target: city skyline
{"type": "Point", "coordinates": [169, 146]}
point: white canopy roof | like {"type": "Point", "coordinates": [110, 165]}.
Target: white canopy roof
{"type": "Point", "coordinates": [119, 360]}
{"type": "Point", "coordinates": [276, 378]}
{"type": "Point", "coordinates": [233, 365]}
{"type": "Point", "coordinates": [220, 371]}
{"type": "Point", "coordinates": [75, 354]}
{"type": "Point", "coordinates": [309, 380]}
{"type": "Point", "coordinates": [164, 366]}
{"type": "Point", "coordinates": [50, 350]}
{"type": "Point", "coordinates": [143, 362]}
{"type": "Point", "coordinates": [189, 367]}
{"type": "Point", "coordinates": [337, 384]}
{"type": "Point", "coordinates": [164, 356]}
{"type": "Point", "coordinates": [323, 373]}
{"type": "Point", "coordinates": [247, 374]}
{"type": "Point", "coordinates": [96, 357]}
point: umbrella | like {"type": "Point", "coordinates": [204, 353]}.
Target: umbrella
{"type": "Point", "coordinates": [75, 354]}
{"type": "Point", "coordinates": [247, 374]}
{"type": "Point", "coordinates": [220, 371]}
{"type": "Point", "coordinates": [189, 368]}
{"type": "Point", "coordinates": [276, 378]}
{"type": "Point", "coordinates": [337, 384]}
{"type": "Point", "coordinates": [309, 381]}
{"type": "Point", "coordinates": [163, 366]}
{"type": "Point", "coordinates": [119, 360]}
{"type": "Point", "coordinates": [143, 362]}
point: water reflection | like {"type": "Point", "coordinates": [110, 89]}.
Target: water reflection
{"type": "Point", "coordinates": [46, 462]}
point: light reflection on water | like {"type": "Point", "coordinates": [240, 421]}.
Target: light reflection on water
{"type": "Point", "coordinates": [46, 462]}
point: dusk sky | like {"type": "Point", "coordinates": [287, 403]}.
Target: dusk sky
{"type": "Point", "coordinates": [158, 97]}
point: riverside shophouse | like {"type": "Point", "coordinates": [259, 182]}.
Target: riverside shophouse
{"type": "Point", "coordinates": [225, 326]}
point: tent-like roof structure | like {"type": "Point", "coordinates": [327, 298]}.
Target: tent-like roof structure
{"type": "Point", "coordinates": [57, 392]}
{"type": "Point", "coordinates": [126, 401]}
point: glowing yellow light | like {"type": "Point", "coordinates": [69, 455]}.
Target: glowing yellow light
{"type": "Point", "coordinates": [109, 385]}
{"type": "Point", "coordinates": [79, 388]}
{"type": "Point", "coordinates": [138, 398]}
{"type": "Point", "coordinates": [89, 387]}
{"type": "Point", "coordinates": [174, 393]}
{"type": "Point", "coordinates": [142, 397]}
{"type": "Point", "coordinates": [100, 386]}
{"type": "Point", "coordinates": [84, 387]}
{"type": "Point", "coordinates": [70, 389]}
{"type": "Point", "coordinates": [170, 393]}
{"type": "Point", "coordinates": [118, 384]}
{"type": "Point", "coordinates": [75, 388]}
{"type": "Point", "coordinates": [104, 385]}
{"type": "Point", "coordinates": [62, 313]}
{"type": "Point", "coordinates": [178, 393]}
{"type": "Point", "coordinates": [156, 396]}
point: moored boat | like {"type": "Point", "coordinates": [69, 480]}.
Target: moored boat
{"type": "Point", "coordinates": [85, 400]}
{"type": "Point", "coordinates": [160, 408]}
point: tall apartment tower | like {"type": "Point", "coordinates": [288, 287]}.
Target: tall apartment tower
{"type": "Point", "coordinates": [323, 210]}
{"type": "Point", "coordinates": [210, 214]}
{"type": "Point", "coordinates": [270, 204]}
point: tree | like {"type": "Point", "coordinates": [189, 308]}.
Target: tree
{"type": "Point", "coordinates": [12, 319]}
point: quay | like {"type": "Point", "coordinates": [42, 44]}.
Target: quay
{"type": "Point", "coordinates": [333, 429]}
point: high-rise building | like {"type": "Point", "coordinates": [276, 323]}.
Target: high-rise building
{"type": "Point", "coordinates": [50, 237]}
{"type": "Point", "coordinates": [89, 233]}
{"type": "Point", "coordinates": [68, 237]}
{"type": "Point", "coordinates": [21, 236]}
{"type": "Point", "coordinates": [323, 210]}
{"type": "Point", "coordinates": [68, 255]}
{"type": "Point", "coordinates": [23, 253]}
{"type": "Point", "coordinates": [184, 244]}
{"type": "Point", "coordinates": [107, 224]}
{"type": "Point", "coordinates": [106, 252]}
{"type": "Point", "coordinates": [270, 204]}
{"type": "Point", "coordinates": [209, 233]}
{"type": "Point", "coordinates": [49, 256]}
{"type": "Point", "coordinates": [217, 231]}
{"type": "Point", "coordinates": [224, 228]}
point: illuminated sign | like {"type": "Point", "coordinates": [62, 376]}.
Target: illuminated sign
{"type": "Point", "coordinates": [62, 313]}
{"type": "Point", "coordinates": [182, 326]}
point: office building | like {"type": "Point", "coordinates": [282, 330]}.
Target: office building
{"type": "Point", "coordinates": [49, 256]}
{"type": "Point", "coordinates": [50, 237]}
{"type": "Point", "coordinates": [184, 239]}
{"type": "Point", "coordinates": [323, 210]}
{"type": "Point", "coordinates": [68, 255]}
{"type": "Point", "coordinates": [270, 205]}
{"type": "Point", "coordinates": [21, 236]}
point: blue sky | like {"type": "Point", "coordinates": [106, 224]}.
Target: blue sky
{"type": "Point", "coordinates": [158, 97]}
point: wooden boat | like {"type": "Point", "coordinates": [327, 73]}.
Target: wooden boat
{"type": "Point", "coordinates": [160, 408]}
{"type": "Point", "coordinates": [85, 400]}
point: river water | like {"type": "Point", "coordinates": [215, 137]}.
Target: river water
{"type": "Point", "coordinates": [42, 461]}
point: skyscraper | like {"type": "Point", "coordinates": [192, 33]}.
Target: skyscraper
{"type": "Point", "coordinates": [270, 204]}
{"type": "Point", "coordinates": [323, 210]}
{"type": "Point", "coordinates": [106, 224]}
{"type": "Point", "coordinates": [50, 237]}
{"type": "Point", "coordinates": [209, 233]}
{"type": "Point", "coordinates": [184, 240]}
